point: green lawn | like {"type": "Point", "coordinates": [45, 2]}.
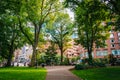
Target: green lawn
{"type": "Point", "coordinates": [22, 73]}
{"type": "Point", "coordinates": [111, 73]}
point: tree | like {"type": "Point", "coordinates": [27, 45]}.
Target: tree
{"type": "Point", "coordinates": [89, 14]}
{"type": "Point", "coordinates": [50, 55]}
{"type": "Point", "coordinates": [37, 11]}
{"type": "Point", "coordinates": [11, 10]}
{"type": "Point", "coordinates": [113, 6]}
{"type": "Point", "coordinates": [11, 38]}
{"type": "Point", "coordinates": [32, 11]}
{"type": "Point", "coordinates": [60, 31]}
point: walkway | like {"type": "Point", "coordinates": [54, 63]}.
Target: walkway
{"type": "Point", "coordinates": [60, 73]}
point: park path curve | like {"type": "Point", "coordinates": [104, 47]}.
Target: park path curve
{"type": "Point", "coordinates": [60, 73]}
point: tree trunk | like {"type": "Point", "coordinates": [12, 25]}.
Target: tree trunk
{"type": "Point", "coordinates": [9, 60]}
{"type": "Point", "coordinates": [61, 60]}
{"type": "Point", "coordinates": [90, 62]}
{"type": "Point", "coordinates": [33, 60]}
{"type": "Point", "coordinates": [36, 39]}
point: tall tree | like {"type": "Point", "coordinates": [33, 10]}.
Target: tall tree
{"type": "Point", "coordinates": [37, 12]}
{"type": "Point", "coordinates": [9, 18]}
{"type": "Point", "coordinates": [60, 31]}
{"type": "Point", "coordinates": [34, 12]}
{"type": "Point", "coordinates": [11, 37]}
{"type": "Point", "coordinates": [89, 14]}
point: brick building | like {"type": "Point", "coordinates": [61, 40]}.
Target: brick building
{"type": "Point", "coordinates": [112, 47]}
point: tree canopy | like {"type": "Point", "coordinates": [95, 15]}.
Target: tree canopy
{"type": "Point", "coordinates": [89, 16]}
{"type": "Point", "coordinates": [60, 31]}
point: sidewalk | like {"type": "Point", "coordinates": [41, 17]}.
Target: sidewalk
{"type": "Point", "coordinates": [60, 73]}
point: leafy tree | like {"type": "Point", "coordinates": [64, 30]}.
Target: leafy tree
{"type": "Point", "coordinates": [34, 12]}
{"type": "Point", "coordinates": [37, 11]}
{"type": "Point", "coordinates": [50, 56]}
{"type": "Point", "coordinates": [89, 14]}
{"type": "Point", "coordinates": [11, 37]}
{"type": "Point", "coordinates": [60, 31]}
{"type": "Point", "coordinates": [113, 6]}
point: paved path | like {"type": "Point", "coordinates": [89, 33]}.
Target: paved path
{"type": "Point", "coordinates": [60, 73]}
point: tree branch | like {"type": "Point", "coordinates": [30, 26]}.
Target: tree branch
{"type": "Point", "coordinates": [21, 29]}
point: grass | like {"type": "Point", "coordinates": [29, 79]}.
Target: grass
{"type": "Point", "coordinates": [22, 73]}
{"type": "Point", "coordinates": [110, 73]}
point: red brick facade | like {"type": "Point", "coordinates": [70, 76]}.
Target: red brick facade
{"type": "Point", "coordinates": [113, 47]}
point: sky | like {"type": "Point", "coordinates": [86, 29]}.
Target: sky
{"type": "Point", "coordinates": [71, 14]}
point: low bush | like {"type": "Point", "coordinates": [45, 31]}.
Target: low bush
{"type": "Point", "coordinates": [66, 61]}
{"type": "Point", "coordinates": [94, 64]}
{"type": "Point", "coordinates": [79, 67]}
{"type": "Point", "coordinates": [99, 64]}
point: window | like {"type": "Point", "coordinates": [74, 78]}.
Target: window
{"type": "Point", "coordinates": [111, 40]}
{"type": "Point", "coordinates": [116, 52]}
{"type": "Point", "coordinates": [102, 53]}
{"type": "Point", "coordinates": [112, 45]}
{"type": "Point", "coordinates": [111, 35]}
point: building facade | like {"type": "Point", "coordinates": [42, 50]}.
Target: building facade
{"type": "Point", "coordinates": [112, 47]}
{"type": "Point", "coordinates": [23, 56]}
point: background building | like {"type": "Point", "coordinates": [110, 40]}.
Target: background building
{"type": "Point", "coordinates": [23, 56]}
{"type": "Point", "coordinates": [112, 47]}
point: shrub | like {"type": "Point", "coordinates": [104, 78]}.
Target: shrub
{"type": "Point", "coordinates": [79, 67]}
{"type": "Point", "coordinates": [66, 61]}
{"type": "Point", "coordinates": [112, 59]}
{"type": "Point", "coordinates": [100, 64]}
{"type": "Point", "coordinates": [117, 62]}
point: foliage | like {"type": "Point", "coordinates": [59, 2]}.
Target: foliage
{"type": "Point", "coordinates": [117, 61]}
{"type": "Point", "coordinates": [22, 73]}
{"type": "Point", "coordinates": [86, 64]}
{"type": "Point", "coordinates": [38, 13]}
{"type": "Point", "coordinates": [1, 60]}
{"type": "Point", "coordinates": [102, 60]}
{"type": "Point", "coordinates": [99, 64]}
{"type": "Point", "coordinates": [11, 37]}
{"type": "Point", "coordinates": [79, 67]}
{"type": "Point", "coordinates": [112, 59]}
{"type": "Point", "coordinates": [65, 61]}
{"type": "Point", "coordinates": [89, 16]}
{"type": "Point", "coordinates": [111, 73]}
{"type": "Point", "coordinates": [113, 6]}
{"type": "Point", "coordinates": [40, 58]}
{"type": "Point", "coordinates": [31, 14]}
{"type": "Point", "coordinates": [60, 30]}
{"type": "Point", "coordinates": [50, 56]}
